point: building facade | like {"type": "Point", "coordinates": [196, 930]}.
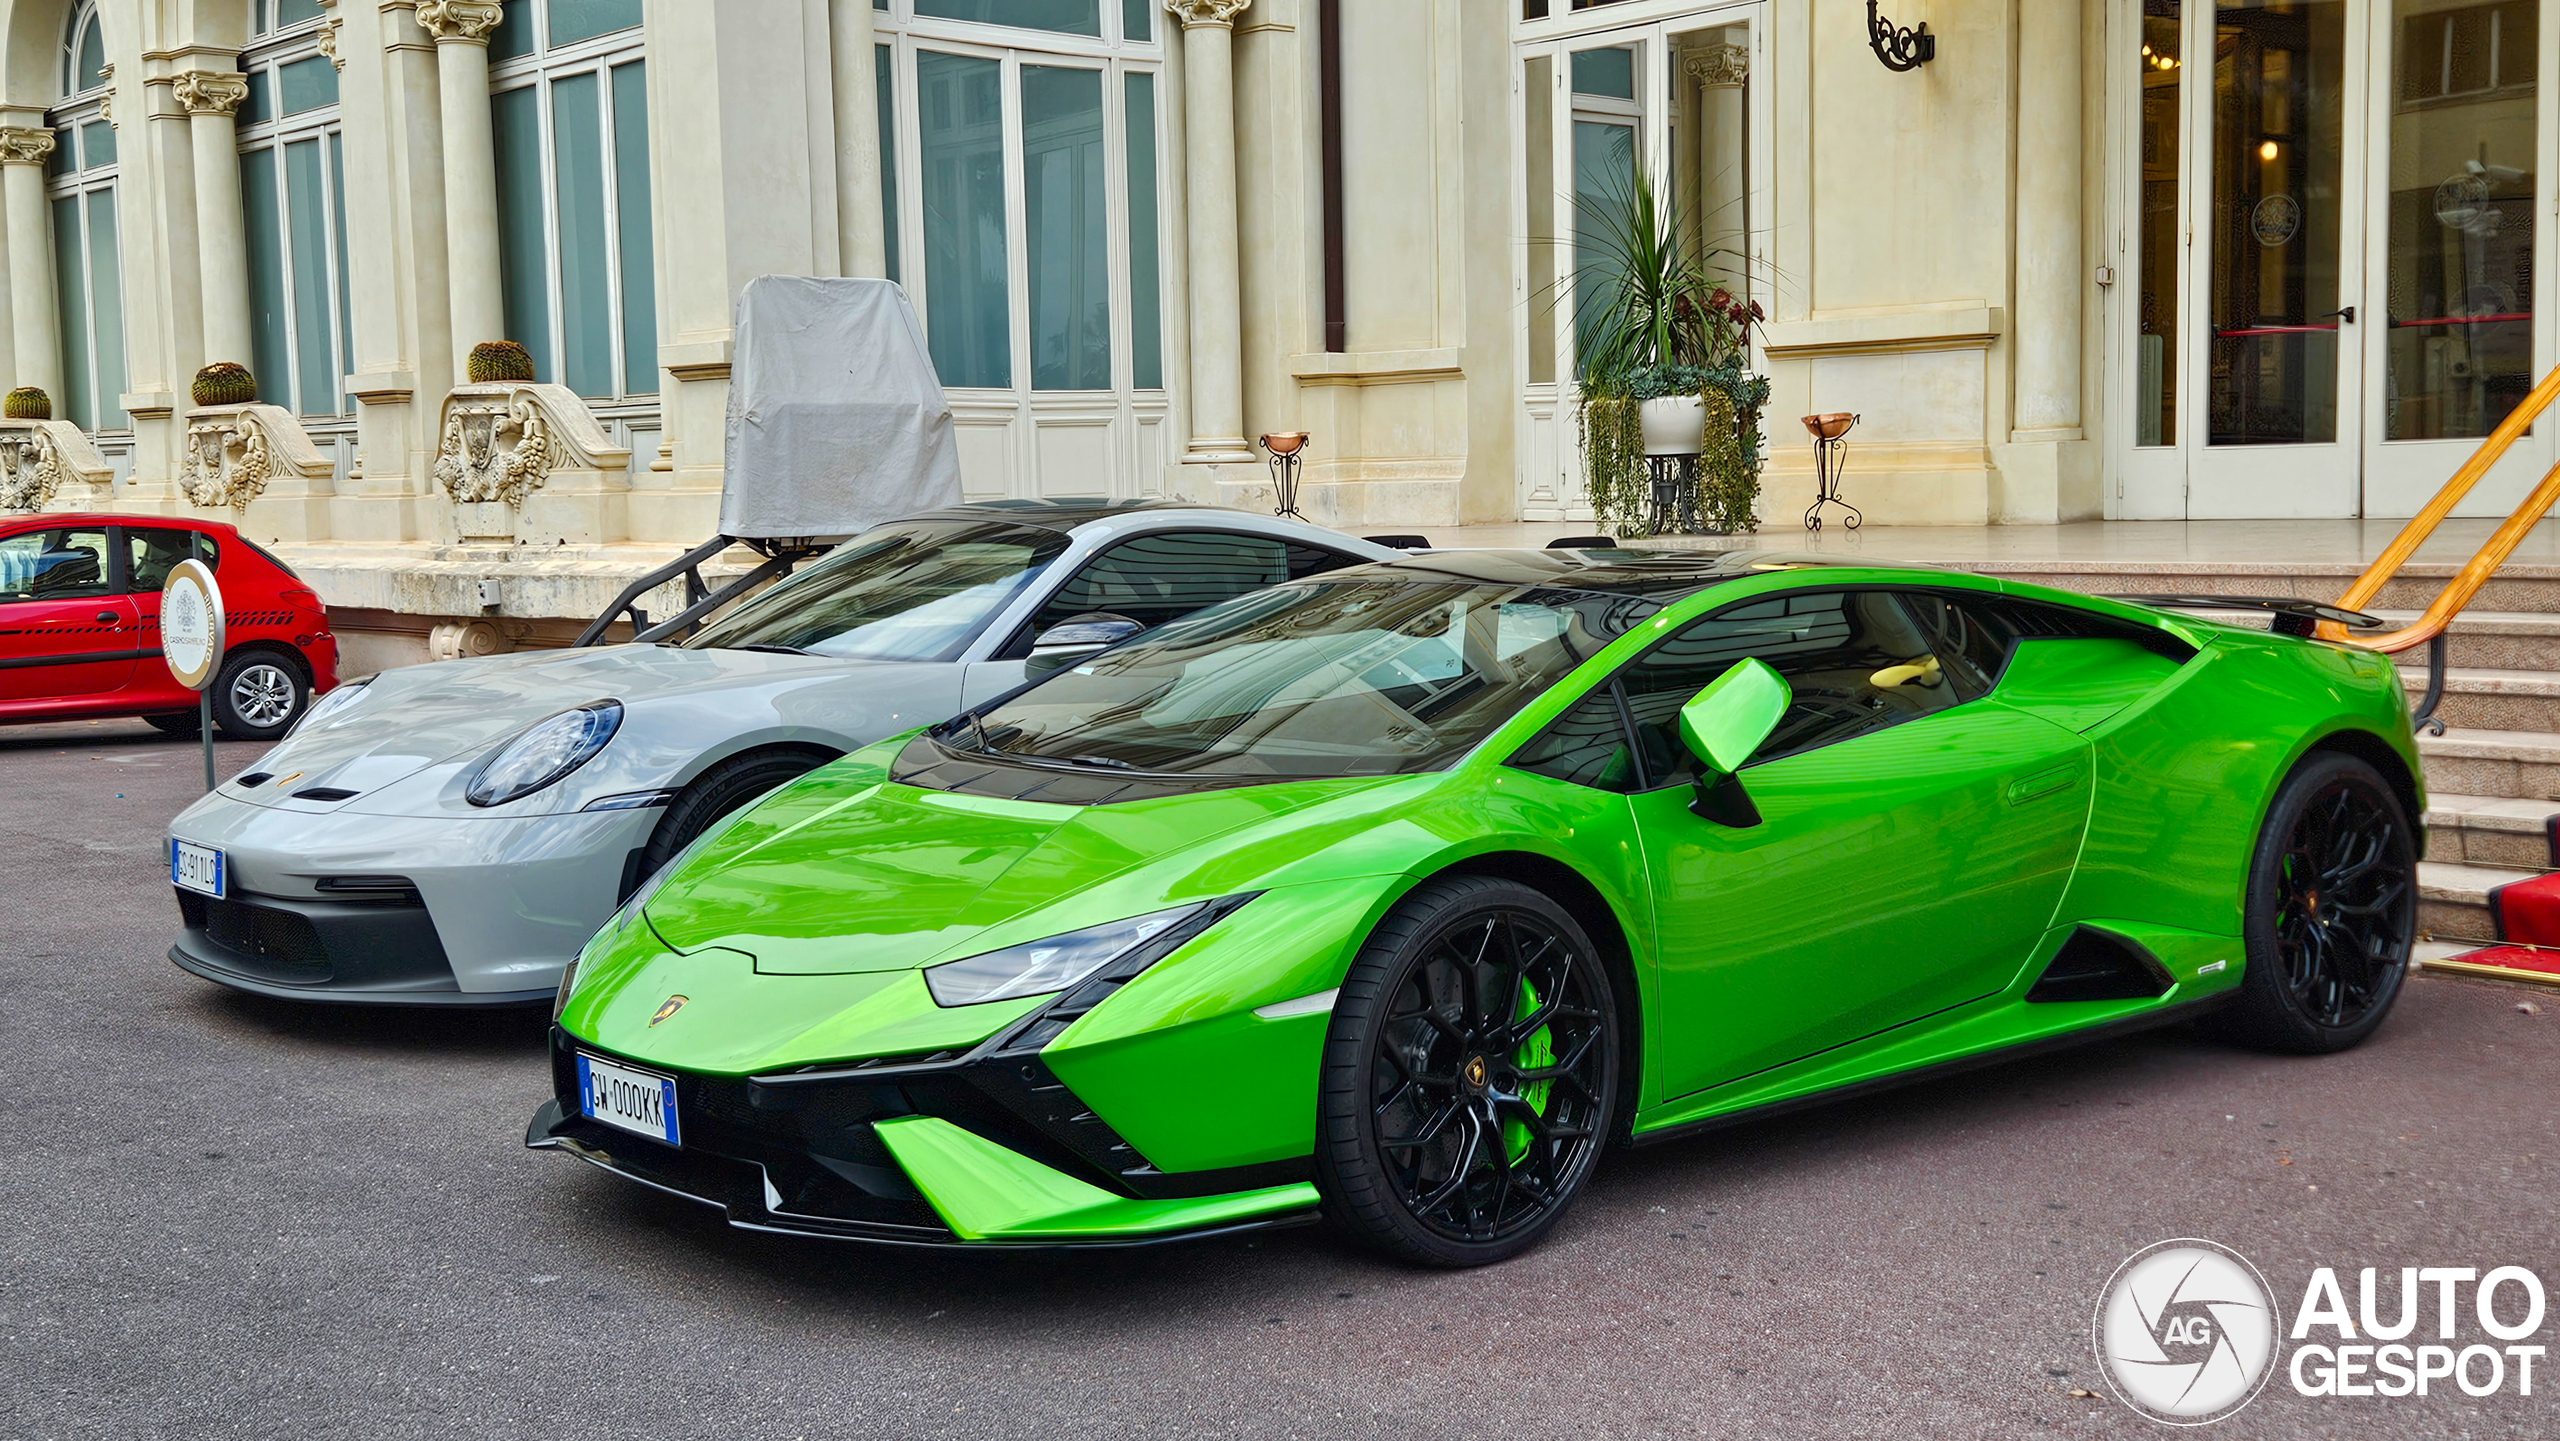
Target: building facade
{"type": "Point", "coordinates": [2091, 258]}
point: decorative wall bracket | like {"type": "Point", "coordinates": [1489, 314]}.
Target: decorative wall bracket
{"type": "Point", "coordinates": [1900, 47]}
{"type": "Point", "coordinates": [235, 453]}
{"type": "Point", "coordinates": [41, 460]}
{"type": "Point", "coordinates": [504, 448]}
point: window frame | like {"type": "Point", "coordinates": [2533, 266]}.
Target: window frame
{"type": "Point", "coordinates": [540, 69]}
{"type": "Point", "coordinates": [111, 568]}
{"type": "Point", "coordinates": [273, 50]}
{"type": "Point", "coordinates": [74, 179]}
{"type": "Point", "coordinates": [1018, 645]}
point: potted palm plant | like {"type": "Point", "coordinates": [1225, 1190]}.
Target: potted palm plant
{"type": "Point", "coordinates": [1663, 361]}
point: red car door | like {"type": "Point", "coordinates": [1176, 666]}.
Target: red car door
{"type": "Point", "coordinates": [65, 630]}
{"type": "Point", "coordinates": [150, 553]}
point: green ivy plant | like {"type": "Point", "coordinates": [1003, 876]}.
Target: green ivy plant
{"type": "Point", "coordinates": [1662, 326]}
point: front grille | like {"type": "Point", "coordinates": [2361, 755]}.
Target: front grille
{"type": "Point", "coordinates": [280, 945]}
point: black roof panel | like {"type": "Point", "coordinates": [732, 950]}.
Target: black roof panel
{"type": "Point", "coordinates": [1658, 575]}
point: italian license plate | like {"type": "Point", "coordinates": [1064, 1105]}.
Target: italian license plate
{"type": "Point", "coordinates": [641, 1102]}
{"type": "Point", "coordinates": [198, 868]}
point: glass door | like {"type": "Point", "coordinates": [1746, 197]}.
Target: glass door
{"type": "Point", "coordinates": [2245, 260]}
{"type": "Point", "coordinates": [2458, 191]}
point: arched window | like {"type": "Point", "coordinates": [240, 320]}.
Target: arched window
{"type": "Point", "coordinates": [81, 184]}
{"type": "Point", "coordinates": [569, 112]}
{"type": "Point", "coordinates": [293, 197]}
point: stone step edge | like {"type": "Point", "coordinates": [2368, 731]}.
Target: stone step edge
{"type": "Point", "coordinates": [2482, 680]}
{"type": "Point", "coordinates": [2459, 743]}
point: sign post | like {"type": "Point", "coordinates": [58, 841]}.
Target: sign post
{"type": "Point", "coordinates": [191, 634]}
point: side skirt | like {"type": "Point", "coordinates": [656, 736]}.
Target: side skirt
{"type": "Point", "coordinates": [2105, 1030]}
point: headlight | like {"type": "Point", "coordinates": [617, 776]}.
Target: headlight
{"type": "Point", "coordinates": [544, 752]}
{"type": "Point", "coordinates": [1039, 967]}
{"type": "Point", "coordinates": [330, 704]}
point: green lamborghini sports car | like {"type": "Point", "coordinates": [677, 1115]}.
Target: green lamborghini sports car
{"type": "Point", "coordinates": [1398, 894]}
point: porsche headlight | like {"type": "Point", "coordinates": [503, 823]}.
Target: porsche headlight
{"type": "Point", "coordinates": [544, 752]}
{"type": "Point", "coordinates": [1039, 967]}
{"type": "Point", "coordinates": [329, 705]}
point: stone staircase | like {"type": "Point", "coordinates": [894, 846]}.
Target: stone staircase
{"type": "Point", "coordinates": [2493, 777]}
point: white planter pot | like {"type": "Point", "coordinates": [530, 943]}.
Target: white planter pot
{"type": "Point", "coordinates": [1674, 425]}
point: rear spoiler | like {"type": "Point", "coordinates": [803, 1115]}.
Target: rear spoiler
{"type": "Point", "coordinates": [2291, 616]}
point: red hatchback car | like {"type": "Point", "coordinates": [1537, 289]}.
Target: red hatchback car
{"type": "Point", "coordinates": [80, 625]}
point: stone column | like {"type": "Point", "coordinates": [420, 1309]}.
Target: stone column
{"type": "Point", "coordinates": [478, 306]}
{"type": "Point", "coordinates": [2048, 254]}
{"type": "Point", "coordinates": [860, 239]}
{"type": "Point", "coordinates": [1721, 70]}
{"type": "Point", "coordinates": [211, 98]}
{"type": "Point", "coordinates": [1217, 309]}
{"type": "Point", "coordinates": [32, 314]}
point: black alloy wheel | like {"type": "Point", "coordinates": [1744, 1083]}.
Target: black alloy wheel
{"type": "Point", "coordinates": [2333, 905]}
{"type": "Point", "coordinates": [1470, 1075]}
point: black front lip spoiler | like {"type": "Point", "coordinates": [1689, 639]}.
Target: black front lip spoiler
{"type": "Point", "coordinates": [355, 995]}
{"type": "Point", "coordinates": [552, 1130]}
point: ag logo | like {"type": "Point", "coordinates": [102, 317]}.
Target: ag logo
{"type": "Point", "coordinates": [666, 1008]}
{"type": "Point", "coordinates": [2185, 1332]}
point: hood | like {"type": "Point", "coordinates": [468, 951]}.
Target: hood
{"type": "Point", "coordinates": [844, 872]}
{"type": "Point", "coordinates": [417, 716]}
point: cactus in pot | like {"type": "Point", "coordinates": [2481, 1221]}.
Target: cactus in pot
{"type": "Point", "coordinates": [28, 402]}
{"type": "Point", "coordinates": [225, 382]}
{"type": "Point", "coordinates": [494, 361]}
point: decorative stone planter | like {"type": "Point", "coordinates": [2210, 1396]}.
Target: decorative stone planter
{"type": "Point", "coordinates": [50, 465]}
{"type": "Point", "coordinates": [1674, 425]}
{"type": "Point", "coordinates": [259, 463]}
{"type": "Point", "coordinates": [527, 463]}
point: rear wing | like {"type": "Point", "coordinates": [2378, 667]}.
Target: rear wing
{"type": "Point", "coordinates": [2290, 616]}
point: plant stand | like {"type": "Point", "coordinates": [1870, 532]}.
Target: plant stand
{"type": "Point", "coordinates": [1674, 508]}
{"type": "Point", "coordinates": [1830, 457]}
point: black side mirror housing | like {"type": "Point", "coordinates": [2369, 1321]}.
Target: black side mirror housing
{"type": "Point", "coordinates": [1077, 637]}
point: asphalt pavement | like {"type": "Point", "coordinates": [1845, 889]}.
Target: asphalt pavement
{"type": "Point", "coordinates": [224, 1216]}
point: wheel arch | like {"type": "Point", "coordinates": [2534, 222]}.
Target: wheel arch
{"type": "Point", "coordinates": [286, 653]}
{"type": "Point", "coordinates": [1590, 910]}
{"type": "Point", "coordinates": [2377, 752]}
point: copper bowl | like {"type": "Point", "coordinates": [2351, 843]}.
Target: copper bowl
{"type": "Point", "coordinates": [1831, 426]}
{"type": "Point", "coordinates": [1287, 442]}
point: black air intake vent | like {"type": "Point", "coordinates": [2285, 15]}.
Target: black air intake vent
{"type": "Point", "coordinates": [2096, 965]}
{"type": "Point", "coordinates": [325, 793]}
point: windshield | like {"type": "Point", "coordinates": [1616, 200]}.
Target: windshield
{"type": "Point", "coordinates": [914, 590]}
{"type": "Point", "coordinates": [1325, 678]}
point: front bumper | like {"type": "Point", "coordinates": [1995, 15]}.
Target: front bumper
{"type": "Point", "coordinates": [370, 949]}
{"type": "Point", "coordinates": [503, 902]}
{"type": "Point", "coordinates": [902, 1155]}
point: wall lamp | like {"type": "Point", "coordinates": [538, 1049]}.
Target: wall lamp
{"type": "Point", "coordinates": [1900, 48]}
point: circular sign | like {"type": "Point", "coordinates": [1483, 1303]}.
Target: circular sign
{"type": "Point", "coordinates": [2275, 220]}
{"type": "Point", "coordinates": [2186, 1332]}
{"type": "Point", "coordinates": [191, 624]}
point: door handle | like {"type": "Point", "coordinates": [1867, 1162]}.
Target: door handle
{"type": "Point", "coordinates": [2346, 314]}
{"type": "Point", "coordinates": [106, 617]}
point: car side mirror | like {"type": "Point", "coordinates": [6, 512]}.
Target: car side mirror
{"type": "Point", "coordinates": [1076, 637]}
{"type": "Point", "coordinates": [1722, 725]}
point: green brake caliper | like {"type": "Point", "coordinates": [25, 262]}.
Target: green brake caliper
{"type": "Point", "coordinates": [1538, 1053]}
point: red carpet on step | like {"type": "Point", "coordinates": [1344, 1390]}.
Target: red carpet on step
{"type": "Point", "coordinates": [2528, 911]}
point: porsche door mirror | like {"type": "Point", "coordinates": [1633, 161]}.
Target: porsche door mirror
{"type": "Point", "coordinates": [1076, 637]}
{"type": "Point", "coordinates": [1722, 725]}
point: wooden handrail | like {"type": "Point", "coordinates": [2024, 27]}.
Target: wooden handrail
{"type": "Point", "coordinates": [2475, 573]}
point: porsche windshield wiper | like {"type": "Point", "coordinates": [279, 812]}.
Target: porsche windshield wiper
{"type": "Point", "coordinates": [772, 649]}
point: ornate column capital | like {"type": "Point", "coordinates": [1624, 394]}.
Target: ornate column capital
{"type": "Point", "coordinates": [209, 92]}
{"type": "Point", "coordinates": [460, 22]}
{"type": "Point", "coordinates": [25, 144]}
{"type": "Point", "coordinates": [1192, 14]}
{"type": "Point", "coordinates": [329, 35]}
{"type": "Point", "coordinates": [1720, 67]}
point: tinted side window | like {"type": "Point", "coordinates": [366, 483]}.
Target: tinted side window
{"type": "Point", "coordinates": [1586, 745]}
{"type": "Point", "coordinates": [1971, 638]}
{"type": "Point", "coordinates": [1857, 661]}
{"type": "Point", "coordinates": [1154, 578]}
{"type": "Point", "coordinates": [1307, 560]}
{"type": "Point", "coordinates": [53, 565]}
{"type": "Point", "coordinates": [151, 554]}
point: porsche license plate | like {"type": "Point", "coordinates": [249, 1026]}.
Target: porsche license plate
{"type": "Point", "coordinates": [641, 1102]}
{"type": "Point", "coordinates": [198, 868]}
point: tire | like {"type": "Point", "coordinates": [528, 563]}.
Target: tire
{"type": "Point", "coordinates": [258, 696]}
{"type": "Point", "coordinates": [177, 723]}
{"type": "Point", "coordinates": [2332, 910]}
{"type": "Point", "coordinates": [718, 791]}
{"type": "Point", "coordinates": [1406, 1101]}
